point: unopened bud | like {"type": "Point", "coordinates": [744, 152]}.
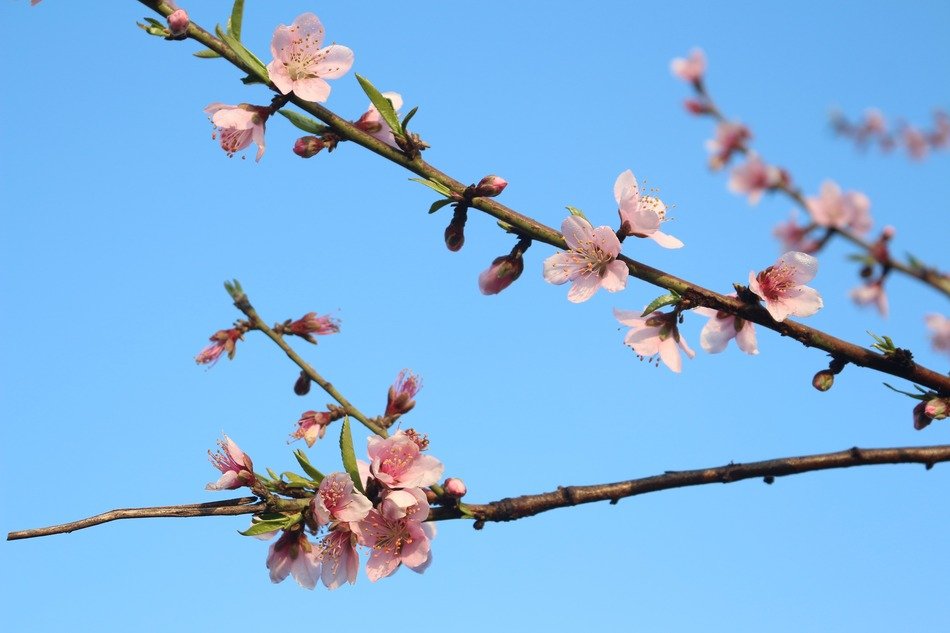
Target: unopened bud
{"type": "Point", "coordinates": [502, 272]}
{"type": "Point", "coordinates": [823, 380]}
{"type": "Point", "coordinates": [455, 234]}
{"type": "Point", "coordinates": [178, 22]}
{"type": "Point", "coordinates": [302, 386]}
{"type": "Point", "coordinates": [937, 408]}
{"type": "Point", "coordinates": [888, 232]}
{"type": "Point", "coordinates": [695, 106]}
{"type": "Point", "coordinates": [307, 146]}
{"type": "Point", "coordinates": [454, 487]}
{"type": "Point", "coordinates": [490, 186]}
{"type": "Point", "coordinates": [921, 419]}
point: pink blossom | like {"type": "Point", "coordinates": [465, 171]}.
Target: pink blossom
{"type": "Point", "coordinates": [394, 542]}
{"type": "Point", "coordinates": [397, 461]}
{"type": "Point", "coordinates": [641, 216]}
{"type": "Point", "coordinates": [373, 123]}
{"type": "Point", "coordinates": [795, 237]}
{"type": "Point", "coordinates": [502, 273]}
{"type": "Point", "coordinates": [722, 327]}
{"type": "Point", "coordinates": [293, 554]}
{"type": "Point", "coordinates": [755, 177]}
{"type": "Point", "coordinates": [837, 210]}
{"type": "Point", "coordinates": [221, 341]}
{"type": "Point", "coordinates": [939, 327]}
{"type": "Point", "coordinates": [874, 123]}
{"type": "Point", "coordinates": [915, 142]}
{"type": "Point", "coordinates": [341, 562]}
{"type": "Point", "coordinates": [312, 426]}
{"type": "Point", "coordinates": [299, 62]}
{"type": "Point", "coordinates": [239, 126]}
{"type": "Point", "coordinates": [237, 469]}
{"type": "Point", "coordinates": [454, 487]}
{"type": "Point", "coordinates": [400, 397]}
{"type": "Point", "coordinates": [310, 324]}
{"type": "Point", "coordinates": [781, 286]}
{"type": "Point", "coordinates": [872, 292]}
{"type": "Point", "coordinates": [590, 263]}
{"type": "Point", "coordinates": [655, 334]}
{"type": "Point", "coordinates": [338, 500]}
{"type": "Point", "coordinates": [940, 137]}
{"type": "Point", "coordinates": [692, 68]}
{"type": "Point", "coordinates": [730, 138]}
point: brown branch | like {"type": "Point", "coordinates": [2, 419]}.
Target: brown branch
{"type": "Point", "coordinates": [511, 509]}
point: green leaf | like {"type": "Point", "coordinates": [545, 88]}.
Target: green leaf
{"type": "Point", "coordinates": [438, 204]}
{"type": "Point", "coordinates": [437, 186]}
{"type": "Point", "coordinates": [154, 22]}
{"type": "Point", "coordinates": [237, 17]}
{"type": "Point", "coordinates": [250, 59]}
{"type": "Point", "coordinates": [296, 481]}
{"type": "Point", "coordinates": [411, 114]}
{"type": "Point", "coordinates": [382, 104]}
{"type": "Point", "coordinates": [272, 474]}
{"type": "Point", "coordinates": [308, 468]}
{"type": "Point", "coordinates": [206, 54]}
{"type": "Point", "coordinates": [272, 525]}
{"type": "Point", "coordinates": [349, 455]}
{"type": "Point", "coordinates": [504, 226]}
{"type": "Point", "coordinates": [576, 211]}
{"type": "Point", "coordinates": [662, 300]}
{"type": "Point", "coordinates": [304, 123]}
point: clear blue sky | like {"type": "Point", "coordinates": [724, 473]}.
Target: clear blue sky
{"type": "Point", "coordinates": [122, 218]}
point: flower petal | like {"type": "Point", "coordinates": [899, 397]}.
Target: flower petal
{"type": "Point", "coordinates": [577, 231]}
{"type": "Point", "coordinates": [615, 277]}
{"type": "Point", "coordinates": [584, 288]}
{"type": "Point", "coordinates": [666, 241]}
{"type": "Point", "coordinates": [626, 187]}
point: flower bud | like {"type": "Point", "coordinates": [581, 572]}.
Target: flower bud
{"type": "Point", "coordinates": [302, 386]}
{"type": "Point", "coordinates": [921, 419]}
{"type": "Point", "coordinates": [400, 398]}
{"type": "Point", "coordinates": [454, 487]}
{"type": "Point", "coordinates": [455, 235]}
{"type": "Point", "coordinates": [695, 106]}
{"type": "Point", "coordinates": [502, 272]}
{"type": "Point", "coordinates": [823, 380]}
{"type": "Point", "coordinates": [178, 22]}
{"type": "Point", "coordinates": [307, 146]}
{"type": "Point", "coordinates": [490, 186]}
{"type": "Point", "coordinates": [937, 408]}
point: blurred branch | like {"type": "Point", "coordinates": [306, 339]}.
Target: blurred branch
{"type": "Point", "coordinates": [510, 509]}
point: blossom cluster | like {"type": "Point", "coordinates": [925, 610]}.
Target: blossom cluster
{"type": "Point", "coordinates": [873, 129]}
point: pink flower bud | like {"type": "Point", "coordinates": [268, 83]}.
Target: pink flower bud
{"type": "Point", "coordinates": [695, 106]}
{"type": "Point", "coordinates": [402, 392]}
{"type": "Point", "coordinates": [455, 235]}
{"type": "Point", "coordinates": [178, 22]}
{"type": "Point", "coordinates": [921, 419]}
{"type": "Point", "coordinates": [937, 408]}
{"type": "Point", "coordinates": [490, 186]}
{"type": "Point", "coordinates": [310, 324]}
{"type": "Point", "coordinates": [502, 272]}
{"type": "Point", "coordinates": [307, 146]}
{"type": "Point", "coordinates": [823, 380]}
{"type": "Point", "coordinates": [454, 487]}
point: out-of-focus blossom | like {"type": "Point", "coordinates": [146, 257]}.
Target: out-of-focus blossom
{"type": "Point", "coordinates": [338, 500]}
{"type": "Point", "coordinates": [692, 68]}
{"type": "Point", "coordinates": [590, 263]}
{"type": "Point", "coordinates": [754, 177]}
{"type": "Point", "coordinates": [398, 462]}
{"type": "Point", "coordinates": [722, 327]}
{"type": "Point", "coordinates": [300, 65]}
{"type": "Point", "coordinates": [237, 469]}
{"type": "Point", "coordinates": [874, 123]}
{"type": "Point", "coordinates": [340, 560]}
{"type": "Point", "coordinates": [697, 106]}
{"type": "Point", "coordinates": [394, 542]}
{"type": "Point", "coordinates": [655, 334]}
{"type": "Point", "coordinates": [939, 327]}
{"type": "Point", "coordinates": [454, 487]}
{"type": "Point", "coordinates": [915, 142]}
{"type": "Point", "coordinates": [400, 398]}
{"type": "Point", "coordinates": [641, 216]}
{"type": "Point", "coordinates": [311, 323]}
{"type": "Point", "coordinates": [373, 123]}
{"type": "Point", "coordinates": [782, 287]}
{"type": "Point", "coordinates": [940, 137]}
{"type": "Point", "coordinates": [502, 273]}
{"type": "Point", "coordinates": [221, 341]}
{"type": "Point", "coordinates": [293, 554]}
{"type": "Point", "coordinates": [178, 22]}
{"type": "Point", "coordinates": [871, 292]}
{"type": "Point", "coordinates": [840, 210]}
{"type": "Point", "coordinates": [239, 126]}
{"type": "Point", "coordinates": [312, 426]}
{"type": "Point", "coordinates": [730, 138]}
{"type": "Point", "coordinates": [794, 237]}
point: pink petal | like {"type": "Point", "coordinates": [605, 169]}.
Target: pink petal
{"type": "Point", "coordinates": [616, 277]}
{"type": "Point", "coordinates": [310, 89]}
{"type": "Point", "coordinates": [666, 241]}
{"type": "Point", "coordinates": [804, 302]}
{"type": "Point", "coordinates": [716, 334]}
{"type": "Point", "coordinates": [605, 238]}
{"type": "Point", "coordinates": [626, 187]}
{"type": "Point", "coordinates": [558, 269]}
{"type": "Point", "coordinates": [778, 310]}
{"type": "Point", "coordinates": [629, 317]}
{"type": "Point", "coordinates": [584, 288]}
{"type": "Point", "coordinates": [804, 265]}
{"type": "Point", "coordinates": [745, 339]}
{"type": "Point", "coordinates": [577, 231]}
{"type": "Point", "coordinates": [645, 342]}
{"type": "Point", "coordinates": [670, 355]}
{"type": "Point", "coordinates": [337, 61]}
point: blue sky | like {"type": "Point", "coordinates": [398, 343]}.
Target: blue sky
{"type": "Point", "coordinates": [122, 218]}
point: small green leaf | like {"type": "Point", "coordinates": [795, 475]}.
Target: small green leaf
{"type": "Point", "coordinates": [405, 121]}
{"type": "Point", "coordinates": [349, 455]}
{"type": "Point", "coordinates": [296, 481]}
{"type": "Point", "coordinates": [237, 17]}
{"type": "Point", "coordinates": [154, 22]}
{"type": "Point", "coordinates": [308, 468]}
{"type": "Point", "coordinates": [250, 59]}
{"type": "Point", "coordinates": [662, 300]}
{"type": "Point", "coordinates": [438, 204]}
{"type": "Point", "coordinates": [504, 226]}
{"type": "Point", "coordinates": [272, 474]}
{"type": "Point", "coordinates": [304, 123]}
{"type": "Point", "coordinates": [437, 186]}
{"type": "Point", "coordinates": [576, 211]}
{"type": "Point", "coordinates": [206, 54]}
{"type": "Point", "coordinates": [382, 104]}
{"type": "Point", "coordinates": [263, 527]}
